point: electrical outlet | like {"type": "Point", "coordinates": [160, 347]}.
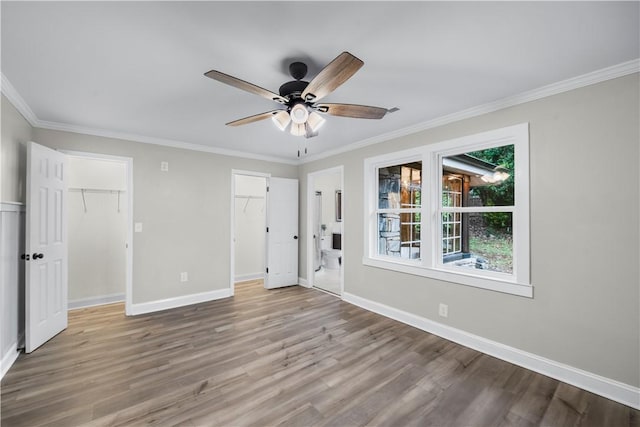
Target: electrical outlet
{"type": "Point", "coordinates": [164, 166]}
{"type": "Point", "coordinates": [184, 276]}
{"type": "Point", "coordinates": [443, 310]}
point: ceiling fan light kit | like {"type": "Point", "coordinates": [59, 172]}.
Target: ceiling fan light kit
{"type": "Point", "coordinates": [281, 119]}
{"type": "Point", "coordinates": [299, 113]}
{"type": "Point", "coordinates": [302, 115]}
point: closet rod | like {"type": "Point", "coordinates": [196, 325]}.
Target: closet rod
{"type": "Point", "coordinates": [96, 190]}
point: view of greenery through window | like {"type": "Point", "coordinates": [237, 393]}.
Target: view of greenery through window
{"type": "Point", "coordinates": [490, 234]}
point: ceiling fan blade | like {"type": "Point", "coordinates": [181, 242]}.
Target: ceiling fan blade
{"type": "Point", "coordinates": [246, 86]}
{"type": "Point", "coordinates": [352, 110]}
{"type": "Point", "coordinates": [255, 118]}
{"type": "Point", "coordinates": [333, 75]}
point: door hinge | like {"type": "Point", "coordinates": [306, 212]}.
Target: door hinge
{"type": "Point", "coordinates": [267, 229]}
{"type": "Point", "coordinates": [267, 270]}
{"type": "Point", "coordinates": [267, 188]}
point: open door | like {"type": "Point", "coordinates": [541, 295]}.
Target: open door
{"type": "Point", "coordinates": [282, 233]}
{"type": "Point", "coordinates": [46, 246]}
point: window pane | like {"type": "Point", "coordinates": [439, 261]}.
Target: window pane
{"type": "Point", "coordinates": [399, 235]}
{"type": "Point", "coordinates": [399, 186]}
{"type": "Point", "coordinates": [485, 243]}
{"type": "Point", "coordinates": [479, 178]}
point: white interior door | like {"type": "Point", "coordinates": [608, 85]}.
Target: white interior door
{"type": "Point", "coordinates": [46, 246]}
{"type": "Point", "coordinates": [282, 234]}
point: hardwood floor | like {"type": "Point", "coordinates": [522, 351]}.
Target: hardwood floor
{"type": "Point", "coordinates": [290, 357]}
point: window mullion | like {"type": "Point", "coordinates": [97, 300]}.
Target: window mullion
{"type": "Point", "coordinates": [474, 209]}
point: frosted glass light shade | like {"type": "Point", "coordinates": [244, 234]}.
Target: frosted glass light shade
{"type": "Point", "coordinates": [298, 129]}
{"type": "Point", "coordinates": [299, 114]}
{"type": "Point", "coordinates": [281, 119]}
{"type": "Point", "coordinates": [315, 121]}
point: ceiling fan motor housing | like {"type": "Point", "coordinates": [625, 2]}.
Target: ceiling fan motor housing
{"type": "Point", "coordinates": [293, 88]}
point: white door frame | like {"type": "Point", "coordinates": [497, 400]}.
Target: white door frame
{"type": "Point", "coordinates": [311, 179]}
{"type": "Point", "coordinates": [232, 245]}
{"type": "Point", "coordinates": [128, 161]}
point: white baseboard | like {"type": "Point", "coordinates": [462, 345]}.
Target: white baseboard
{"type": "Point", "coordinates": [165, 304]}
{"type": "Point", "coordinates": [303, 282]}
{"type": "Point", "coordinates": [93, 301]}
{"type": "Point", "coordinates": [606, 387]}
{"type": "Point", "coordinates": [8, 359]}
{"type": "Point", "coordinates": [245, 277]}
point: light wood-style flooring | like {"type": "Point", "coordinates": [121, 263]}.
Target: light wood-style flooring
{"type": "Point", "coordinates": [289, 357]}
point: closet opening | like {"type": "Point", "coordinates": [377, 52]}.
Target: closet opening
{"type": "Point", "coordinates": [100, 227]}
{"type": "Point", "coordinates": [248, 240]}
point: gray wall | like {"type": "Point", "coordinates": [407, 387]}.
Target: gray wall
{"type": "Point", "coordinates": [16, 131]}
{"type": "Point", "coordinates": [584, 155]}
{"type": "Point", "coordinates": [185, 212]}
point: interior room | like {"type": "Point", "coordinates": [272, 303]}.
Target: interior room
{"type": "Point", "coordinates": [207, 219]}
{"type": "Point", "coordinates": [327, 231]}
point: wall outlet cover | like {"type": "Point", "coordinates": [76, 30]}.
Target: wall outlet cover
{"type": "Point", "coordinates": [443, 310]}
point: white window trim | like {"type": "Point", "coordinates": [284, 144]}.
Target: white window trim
{"type": "Point", "coordinates": [430, 264]}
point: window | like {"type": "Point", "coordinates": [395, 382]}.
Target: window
{"type": "Point", "coordinates": [457, 211]}
{"type": "Point", "coordinates": [399, 207]}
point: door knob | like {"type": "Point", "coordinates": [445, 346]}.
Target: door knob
{"type": "Point", "coordinates": [295, 237]}
{"type": "Point", "coordinates": [38, 256]}
{"type": "Point", "coordinates": [25, 257]}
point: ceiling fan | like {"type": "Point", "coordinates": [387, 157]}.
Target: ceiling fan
{"type": "Point", "coordinates": [300, 111]}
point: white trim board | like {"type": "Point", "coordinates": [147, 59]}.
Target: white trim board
{"type": "Point", "coordinates": [606, 387]}
{"type": "Point", "coordinates": [93, 301]}
{"type": "Point", "coordinates": [608, 73]}
{"type": "Point", "coordinates": [246, 277]}
{"type": "Point", "coordinates": [9, 359]}
{"type": "Point", "coordinates": [11, 207]}
{"type": "Point", "coordinates": [165, 304]}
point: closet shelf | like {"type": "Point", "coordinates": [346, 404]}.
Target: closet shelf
{"type": "Point", "coordinates": [97, 190]}
{"type": "Point", "coordinates": [84, 191]}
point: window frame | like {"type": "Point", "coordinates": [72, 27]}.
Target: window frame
{"type": "Point", "coordinates": [430, 262]}
{"type": "Point", "coordinates": [412, 210]}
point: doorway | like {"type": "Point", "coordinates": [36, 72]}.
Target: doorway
{"type": "Point", "coordinates": [248, 244]}
{"type": "Point", "coordinates": [100, 227]}
{"type": "Point", "coordinates": [325, 225]}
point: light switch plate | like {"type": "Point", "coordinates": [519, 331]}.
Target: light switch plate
{"type": "Point", "coordinates": [137, 227]}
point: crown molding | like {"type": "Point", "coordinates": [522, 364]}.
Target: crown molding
{"type": "Point", "coordinates": [160, 141]}
{"type": "Point", "coordinates": [23, 108]}
{"type": "Point", "coordinates": [594, 77]}
{"type": "Point", "coordinates": [17, 101]}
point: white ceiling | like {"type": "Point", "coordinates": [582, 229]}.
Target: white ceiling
{"type": "Point", "coordinates": [136, 68]}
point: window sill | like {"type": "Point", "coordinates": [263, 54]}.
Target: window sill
{"type": "Point", "coordinates": [453, 277]}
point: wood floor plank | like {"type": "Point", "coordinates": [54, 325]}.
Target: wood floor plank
{"type": "Point", "coordinates": [290, 357]}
